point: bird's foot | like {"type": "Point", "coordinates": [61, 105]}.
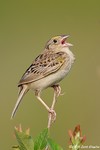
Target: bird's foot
{"type": "Point", "coordinates": [52, 113]}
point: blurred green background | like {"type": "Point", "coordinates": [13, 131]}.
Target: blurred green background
{"type": "Point", "coordinates": [25, 26]}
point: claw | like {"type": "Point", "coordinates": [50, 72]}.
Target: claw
{"type": "Point", "coordinates": [62, 93]}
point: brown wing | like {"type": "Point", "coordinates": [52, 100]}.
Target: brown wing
{"type": "Point", "coordinates": [44, 65]}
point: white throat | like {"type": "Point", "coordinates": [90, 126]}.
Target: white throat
{"type": "Point", "coordinates": [68, 51]}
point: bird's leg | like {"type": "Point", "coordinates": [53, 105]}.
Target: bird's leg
{"type": "Point", "coordinates": [37, 94]}
{"type": "Point", "coordinates": [52, 117]}
{"type": "Point", "coordinates": [57, 90]}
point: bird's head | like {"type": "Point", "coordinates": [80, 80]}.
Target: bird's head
{"type": "Point", "coordinates": [58, 42]}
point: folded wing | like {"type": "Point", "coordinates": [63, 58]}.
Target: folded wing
{"type": "Point", "coordinates": [44, 65]}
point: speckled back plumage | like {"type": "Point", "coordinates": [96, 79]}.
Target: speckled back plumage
{"type": "Point", "coordinates": [44, 65]}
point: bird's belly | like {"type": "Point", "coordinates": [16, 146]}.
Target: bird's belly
{"type": "Point", "coordinates": [49, 80]}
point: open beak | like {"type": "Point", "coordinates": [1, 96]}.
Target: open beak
{"type": "Point", "coordinates": [64, 41]}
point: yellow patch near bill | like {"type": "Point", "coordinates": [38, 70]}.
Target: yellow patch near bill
{"type": "Point", "coordinates": [56, 37]}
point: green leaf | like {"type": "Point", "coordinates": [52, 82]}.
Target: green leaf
{"type": "Point", "coordinates": [53, 145]}
{"type": "Point", "coordinates": [15, 147]}
{"type": "Point", "coordinates": [25, 141]}
{"type": "Point", "coordinates": [41, 140]}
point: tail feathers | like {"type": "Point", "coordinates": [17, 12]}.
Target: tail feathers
{"type": "Point", "coordinates": [23, 90]}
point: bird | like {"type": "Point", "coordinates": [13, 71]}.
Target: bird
{"type": "Point", "coordinates": [47, 70]}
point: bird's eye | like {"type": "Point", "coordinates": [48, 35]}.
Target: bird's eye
{"type": "Point", "coordinates": [55, 41]}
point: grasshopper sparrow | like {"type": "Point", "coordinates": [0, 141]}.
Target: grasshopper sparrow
{"type": "Point", "coordinates": [47, 70]}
